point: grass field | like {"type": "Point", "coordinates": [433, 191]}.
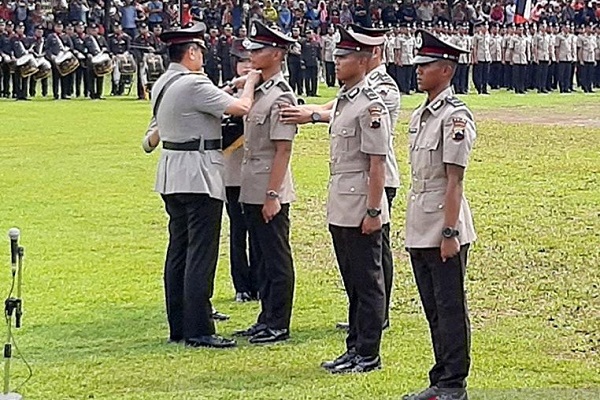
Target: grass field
{"type": "Point", "coordinates": [74, 179]}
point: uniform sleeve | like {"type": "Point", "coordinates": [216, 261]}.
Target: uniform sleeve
{"type": "Point", "coordinates": [459, 134]}
{"type": "Point", "coordinates": [374, 129]}
{"type": "Point", "coordinates": [210, 99]}
{"type": "Point", "coordinates": [149, 131]}
{"type": "Point", "coordinates": [278, 130]}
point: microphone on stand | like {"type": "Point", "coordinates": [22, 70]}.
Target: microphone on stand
{"type": "Point", "coordinates": [13, 234]}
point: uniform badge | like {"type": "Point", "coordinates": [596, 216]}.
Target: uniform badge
{"type": "Point", "coordinates": [458, 129]}
{"type": "Point", "coordinates": [253, 31]}
{"type": "Point", "coordinates": [419, 40]}
{"type": "Point", "coordinates": [375, 113]}
{"type": "Point", "coordinates": [246, 43]}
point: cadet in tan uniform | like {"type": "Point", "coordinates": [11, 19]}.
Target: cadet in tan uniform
{"type": "Point", "coordinates": [187, 111]}
{"type": "Point", "coordinates": [518, 57]}
{"type": "Point", "coordinates": [542, 47]}
{"type": "Point", "coordinates": [267, 188]}
{"type": "Point", "coordinates": [496, 56]}
{"type": "Point", "coordinates": [382, 84]}
{"type": "Point", "coordinates": [356, 207]}
{"type": "Point", "coordinates": [481, 58]}
{"type": "Point", "coordinates": [563, 48]}
{"type": "Point", "coordinates": [461, 77]}
{"type": "Point", "coordinates": [439, 227]}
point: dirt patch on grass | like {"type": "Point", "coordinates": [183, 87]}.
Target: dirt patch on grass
{"type": "Point", "coordinates": [582, 116]}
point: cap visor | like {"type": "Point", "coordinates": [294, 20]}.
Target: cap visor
{"type": "Point", "coordinates": [342, 52]}
{"type": "Point", "coordinates": [254, 46]}
{"type": "Point", "coordinates": [418, 60]}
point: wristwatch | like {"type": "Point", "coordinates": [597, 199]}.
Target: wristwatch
{"type": "Point", "coordinates": [315, 117]}
{"type": "Point", "coordinates": [449, 232]}
{"type": "Point", "coordinates": [373, 212]}
{"type": "Point", "coordinates": [271, 194]}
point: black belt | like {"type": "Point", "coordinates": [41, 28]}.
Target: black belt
{"type": "Point", "coordinates": [193, 145]}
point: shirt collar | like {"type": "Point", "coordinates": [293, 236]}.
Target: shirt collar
{"type": "Point", "coordinates": [436, 105]}
{"type": "Point", "coordinates": [351, 93]}
{"type": "Point", "coordinates": [275, 79]}
{"type": "Point", "coordinates": [178, 67]}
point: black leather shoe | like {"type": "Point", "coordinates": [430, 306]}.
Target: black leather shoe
{"type": "Point", "coordinates": [217, 316]}
{"type": "Point", "coordinates": [345, 358]}
{"type": "Point", "coordinates": [358, 365]}
{"type": "Point", "coordinates": [435, 393]}
{"type": "Point", "coordinates": [243, 297]}
{"type": "Point", "coordinates": [213, 341]}
{"type": "Point", "coordinates": [253, 330]}
{"type": "Point", "coordinates": [270, 336]}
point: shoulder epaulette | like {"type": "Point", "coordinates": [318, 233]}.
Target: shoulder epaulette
{"type": "Point", "coordinates": [370, 93]}
{"type": "Point", "coordinates": [454, 101]}
{"type": "Point", "coordinates": [284, 86]}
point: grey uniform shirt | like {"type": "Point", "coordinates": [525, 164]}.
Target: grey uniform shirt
{"type": "Point", "coordinates": [441, 132]}
{"type": "Point", "coordinates": [564, 48]}
{"type": "Point", "coordinates": [262, 128]}
{"type": "Point", "coordinates": [496, 48]}
{"type": "Point", "coordinates": [406, 45]}
{"type": "Point", "coordinates": [233, 164]}
{"type": "Point", "coordinates": [379, 80]}
{"type": "Point", "coordinates": [541, 46]}
{"type": "Point", "coordinates": [359, 127]}
{"type": "Point", "coordinates": [191, 109]}
{"type": "Point", "coordinates": [519, 51]}
{"type": "Point", "coordinates": [328, 47]}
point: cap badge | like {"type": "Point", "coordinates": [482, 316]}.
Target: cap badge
{"type": "Point", "coordinates": [419, 40]}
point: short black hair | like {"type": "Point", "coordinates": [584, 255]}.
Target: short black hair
{"type": "Point", "coordinates": [176, 51]}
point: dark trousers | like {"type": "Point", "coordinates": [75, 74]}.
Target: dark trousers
{"type": "Point", "coordinates": [552, 79]}
{"type": "Point", "coordinates": [531, 80]}
{"type": "Point", "coordinates": [311, 80]}
{"type": "Point", "coordinates": [69, 83]}
{"type": "Point", "coordinates": [564, 74]}
{"type": "Point", "coordinates": [59, 84]}
{"type": "Point", "coordinates": [508, 76]}
{"type": "Point", "coordinates": [359, 260]}
{"type": "Point", "coordinates": [442, 292]}
{"type": "Point", "coordinates": [597, 74]}
{"type": "Point", "coordinates": [141, 90]}
{"type": "Point", "coordinates": [495, 80]}
{"type": "Point", "coordinates": [387, 257]}
{"type": "Point", "coordinates": [271, 244]}
{"type": "Point", "coordinates": [586, 76]}
{"type": "Point", "coordinates": [95, 84]}
{"type": "Point", "coordinates": [295, 78]}
{"type": "Point", "coordinates": [33, 84]}
{"type": "Point", "coordinates": [404, 77]}
{"type": "Point", "coordinates": [213, 74]}
{"type": "Point", "coordinates": [481, 75]}
{"type": "Point", "coordinates": [462, 78]}
{"type": "Point", "coordinates": [392, 71]}
{"type": "Point", "coordinates": [20, 85]}
{"type": "Point", "coordinates": [518, 74]}
{"type": "Point", "coordinates": [330, 73]}
{"type": "Point", "coordinates": [243, 268]}
{"type": "Point", "coordinates": [79, 79]}
{"type": "Point", "coordinates": [226, 72]}
{"type": "Point", "coordinates": [194, 227]}
{"type": "Point", "coordinates": [542, 76]}
{"type": "Point", "coordinates": [5, 82]}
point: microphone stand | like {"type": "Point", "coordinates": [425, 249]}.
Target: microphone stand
{"type": "Point", "coordinates": [12, 305]}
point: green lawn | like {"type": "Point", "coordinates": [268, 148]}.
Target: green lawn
{"type": "Point", "coordinates": [74, 179]}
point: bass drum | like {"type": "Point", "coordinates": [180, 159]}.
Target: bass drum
{"type": "Point", "coordinates": [154, 68]}
{"type": "Point", "coordinates": [44, 69]}
{"type": "Point", "coordinates": [66, 63]}
{"type": "Point", "coordinates": [102, 64]}
{"type": "Point", "coordinates": [126, 64]}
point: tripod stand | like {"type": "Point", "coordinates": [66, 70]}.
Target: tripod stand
{"type": "Point", "coordinates": [12, 305]}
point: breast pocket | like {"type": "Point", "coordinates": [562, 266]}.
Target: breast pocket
{"type": "Point", "coordinates": [345, 137]}
{"type": "Point", "coordinates": [432, 202]}
{"type": "Point", "coordinates": [434, 151]}
{"type": "Point", "coordinates": [260, 166]}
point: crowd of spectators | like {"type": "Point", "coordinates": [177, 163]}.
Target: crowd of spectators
{"type": "Point", "coordinates": [313, 14]}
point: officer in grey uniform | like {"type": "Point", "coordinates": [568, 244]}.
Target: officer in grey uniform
{"type": "Point", "coordinates": [187, 118]}
{"type": "Point", "coordinates": [564, 52]}
{"type": "Point", "coordinates": [356, 208]}
{"type": "Point", "coordinates": [439, 226]}
{"type": "Point", "coordinates": [495, 80]}
{"type": "Point", "coordinates": [461, 77]}
{"type": "Point", "coordinates": [327, 57]}
{"type": "Point", "coordinates": [542, 48]}
{"type": "Point", "coordinates": [267, 188]}
{"type": "Point", "coordinates": [519, 56]}
{"type": "Point", "coordinates": [404, 53]}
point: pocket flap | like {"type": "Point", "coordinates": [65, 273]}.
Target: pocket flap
{"type": "Point", "coordinates": [353, 184]}
{"type": "Point", "coordinates": [261, 166]}
{"type": "Point", "coordinates": [347, 131]}
{"type": "Point", "coordinates": [257, 119]}
{"type": "Point", "coordinates": [433, 201]}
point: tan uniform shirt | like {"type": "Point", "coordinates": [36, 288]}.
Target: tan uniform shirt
{"type": "Point", "coordinates": [191, 109]}
{"type": "Point", "coordinates": [386, 88]}
{"type": "Point", "coordinates": [465, 42]}
{"type": "Point", "coordinates": [573, 39]}
{"type": "Point", "coordinates": [552, 45]}
{"type": "Point", "coordinates": [564, 48]}
{"type": "Point", "coordinates": [233, 164]}
{"type": "Point", "coordinates": [587, 44]}
{"type": "Point", "coordinates": [518, 47]}
{"type": "Point", "coordinates": [359, 127]}
{"type": "Point", "coordinates": [496, 48]}
{"type": "Point", "coordinates": [542, 47]}
{"type": "Point", "coordinates": [261, 128]}
{"type": "Point", "coordinates": [406, 47]}
{"type": "Point", "coordinates": [328, 47]}
{"type": "Point", "coordinates": [506, 40]}
{"type": "Point", "coordinates": [481, 45]}
{"type": "Point", "coordinates": [441, 132]}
